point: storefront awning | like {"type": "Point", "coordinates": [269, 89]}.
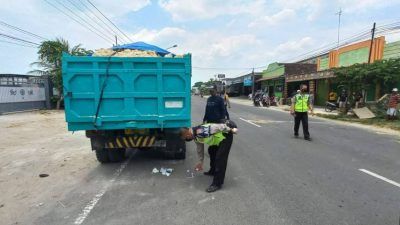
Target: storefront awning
{"type": "Point", "coordinates": [310, 76]}
{"type": "Point", "coordinates": [270, 78]}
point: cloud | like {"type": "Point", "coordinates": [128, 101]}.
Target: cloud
{"type": "Point", "coordinates": [117, 8]}
{"type": "Point", "coordinates": [292, 48]}
{"type": "Point", "coordinates": [312, 8]}
{"type": "Point", "coordinates": [356, 6]}
{"type": "Point", "coordinates": [184, 10]}
{"type": "Point", "coordinates": [164, 37]}
{"type": "Point", "coordinates": [283, 15]}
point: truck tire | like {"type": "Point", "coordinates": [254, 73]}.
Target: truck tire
{"type": "Point", "coordinates": [102, 155]}
{"type": "Point", "coordinates": [116, 155]}
{"type": "Point", "coordinates": [181, 155]}
{"type": "Point", "coordinates": [176, 151]}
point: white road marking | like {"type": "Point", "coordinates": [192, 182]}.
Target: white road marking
{"type": "Point", "coordinates": [249, 122]}
{"type": "Point", "coordinates": [206, 200]}
{"type": "Point", "coordinates": [380, 177]}
{"type": "Point", "coordinates": [89, 207]}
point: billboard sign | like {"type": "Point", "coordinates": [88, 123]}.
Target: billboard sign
{"type": "Point", "coordinates": [247, 81]}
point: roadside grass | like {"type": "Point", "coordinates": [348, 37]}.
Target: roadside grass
{"type": "Point", "coordinates": [378, 121]}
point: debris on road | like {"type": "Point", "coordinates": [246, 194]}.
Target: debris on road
{"type": "Point", "coordinates": [164, 171]}
{"type": "Point", "coordinates": [40, 204]}
{"type": "Point", "coordinates": [43, 175]}
{"type": "Point", "coordinates": [2, 205]}
{"type": "Point", "coordinates": [155, 170]}
{"type": "Point", "coordinates": [189, 174]}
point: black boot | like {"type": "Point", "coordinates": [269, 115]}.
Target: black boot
{"type": "Point", "coordinates": [209, 173]}
{"type": "Point", "coordinates": [213, 188]}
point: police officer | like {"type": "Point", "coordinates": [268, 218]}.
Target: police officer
{"type": "Point", "coordinates": [218, 136]}
{"type": "Point", "coordinates": [301, 104]}
{"type": "Point", "coordinates": [215, 108]}
{"type": "Point", "coordinates": [215, 113]}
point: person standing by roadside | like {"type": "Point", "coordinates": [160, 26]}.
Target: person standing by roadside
{"type": "Point", "coordinates": [394, 99]}
{"type": "Point", "coordinates": [332, 97]}
{"type": "Point", "coordinates": [215, 113]}
{"type": "Point", "coordinates": [301, 104]}
{"type": "Point", "coordinates": [343, 98]}
{"type": "Point", "coordinates": [358, 99]}
{"type": "Point", "coordinates": [227, 105]}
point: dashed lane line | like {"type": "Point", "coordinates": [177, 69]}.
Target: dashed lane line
{"type": "Point", "coordinates": [248, 121]}
{"type": "Point", "coordinates": [380, 177]}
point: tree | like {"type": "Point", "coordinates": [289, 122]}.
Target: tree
{"type": "Point", "coordinates": [361, 76]}
{"type": "Point", "coordinates": [198, 84]}
{"type": "Point", "coordinates": [49, 61]}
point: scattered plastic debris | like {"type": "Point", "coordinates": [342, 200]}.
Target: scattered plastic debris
{"type": "Point", "coordinates": [164, 171]}
{"type": "Point", "coordinates": [43, 175]}
{"type": "Point", "coordinates": [40, 204]}
{"type": "Point", "coordinates": [2, 205]}
{"type": "Point", "coordinates": [189, 174]}
{"type": "Point", "coordinates": [155, 170]}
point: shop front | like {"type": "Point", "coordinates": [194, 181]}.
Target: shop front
{"type": "Point", "coordinates": [319, 83]}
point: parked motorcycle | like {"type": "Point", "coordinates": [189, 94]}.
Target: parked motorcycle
{"type": "Point", "coordinates": [257, 100]}
{"type": "Point", "coordinates": [272, 101]}
{"type": "Point", "coordinates": [330, 106]}
{"type": "Point", "coordinates": [265, 100]}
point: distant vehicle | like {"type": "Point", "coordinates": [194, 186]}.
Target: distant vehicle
{"type": "Point", "coordinates": [128, 102]}
{"type": "Point", "coordinates": [196, 91]}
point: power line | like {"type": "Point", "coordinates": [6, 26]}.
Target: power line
{"type": "Point", "coordinates": [360, 36]}
{"type": "Point", "coordinates": [101, 20]}
{"type": "Point", "coordinates": [109, 20]}
{"type": "Point", "coordinates": [91, 19]}
{"type": "Point", "coordinates": [22, 31]}
{"type": "Point", "coordinates": [84, 20]}
{"type": "Point", "coordinates": [18, 39]}
{"type": "Point", "coordinates": [79, 22]}
{"type": "Point", "coordinates": [19, 44]}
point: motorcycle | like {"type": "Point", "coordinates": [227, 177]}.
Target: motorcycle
{"type": "Point", "coordinates": [265, 100]}
{"type": "Point", "coordinates": [257, 100]}
{"type": "Point", "coordinates": [272, 101]}
{"type": "Point", "coordinates": [330, 106]}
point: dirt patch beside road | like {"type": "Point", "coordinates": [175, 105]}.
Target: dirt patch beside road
{"type": "Point", "coordinates": [37, 143]}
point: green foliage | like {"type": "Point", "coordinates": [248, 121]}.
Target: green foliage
{"type": "Point", "coordinates": [198, 84]}
{"type": "Point", "coordinates": [49, 59]}
{"type": "Point", "coordinates": [362, 76]}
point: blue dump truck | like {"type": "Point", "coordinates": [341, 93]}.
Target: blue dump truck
{"type": "Point", "coordinates": [128, 102]}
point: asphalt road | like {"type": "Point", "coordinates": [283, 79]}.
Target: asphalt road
{"type": "Point", "coordinates": [346, 175]}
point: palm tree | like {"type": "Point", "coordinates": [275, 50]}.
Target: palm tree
{"type": "Point", "coordinates": [49, 61]}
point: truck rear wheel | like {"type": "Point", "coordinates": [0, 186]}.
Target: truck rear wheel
{"type": "Point", "coordinates": [116, 154]}
{"type": "Point", "coordinates": [181, 155]}
{"type": "Point", "coordinates": [176, 151]}
{"type": "Point", "coordinates": [102, 155]}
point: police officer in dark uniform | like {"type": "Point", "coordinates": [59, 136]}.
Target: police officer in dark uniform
{"type": "Point", "coordinates": [215, 113]}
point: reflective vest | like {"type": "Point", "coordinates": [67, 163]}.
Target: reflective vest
{"type": "Point", "coordinates": [301, 104]}
{"type": "Point", "coordinates": [211, 139]}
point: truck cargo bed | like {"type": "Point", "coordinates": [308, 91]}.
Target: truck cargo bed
{"type": "Point", "coordinates": [126, 92]}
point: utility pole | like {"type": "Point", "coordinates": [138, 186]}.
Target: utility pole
{"type": "Point", "coordinates": [253, 83]}
{"type": "Point", "coordinates": [372, 42]}
{"type": "Point", "coordinates": [338, 32]}
{"type": "Point", "coordinates": [116, 40]}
